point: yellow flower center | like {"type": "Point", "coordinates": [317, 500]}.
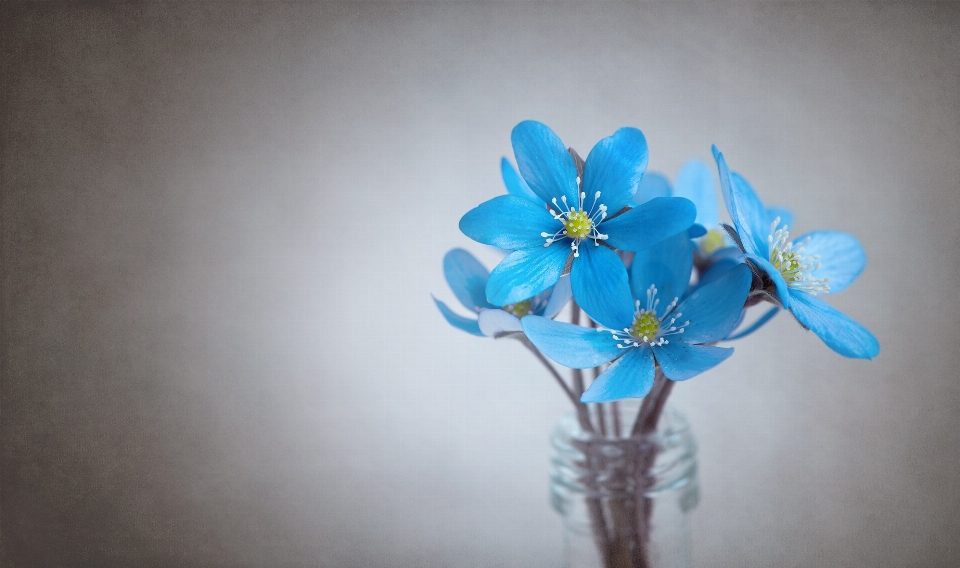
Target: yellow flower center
{"type": "Point", "coordinates": [647, 328]}
{"type": "Point", "coordinates": [578, 224]}
{"type": "Point", "coordinates": [645, 325]}
{"type": "Point", "coordinates": [712, 241]}
{"type": "Point", "coordinates": [794, 264]}
{"type": "Point", "coordinates": [788, 263]}
{"type": "Point", "coordinates": [519, 309]}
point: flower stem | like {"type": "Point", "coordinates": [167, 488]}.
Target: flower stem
{"type": "Point", "coordinates": [577, 376]}
{"type": "Point", "coordinates": [582, 414]}
{"type": "Point", "coordinates": [653, 419]}
{"type": "Point", "coordinates": [615, 410]}
{"type": "Point", "coordinates": [540, 357]}
{"type": "Point", "coordinates": [652, 406]}
{"type": "Point", "coordinates": [601, 420]}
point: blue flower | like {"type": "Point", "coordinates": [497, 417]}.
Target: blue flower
{"type": "Point", "coordinates": [696, 182]}
{"type": "Point", "coordinates": [515, 184]}
{"type": "Point", "coordinates": [799, 270]}
{"type": "Point", "coordinates": [713, 249]}
{"type": "Point", "coordinates": [468, 280]}
{"type": "Point", "coordinates": [577, 220]}
{"type": "Point", "coordinates": [662, 327]}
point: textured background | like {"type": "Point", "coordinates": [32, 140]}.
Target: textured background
{"type": "Point", "coordinates": [222, 222]}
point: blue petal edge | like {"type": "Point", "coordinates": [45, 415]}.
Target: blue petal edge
{"type": "Point", "coordinates": [836, 329]}
{"type": "Point", "coordinates": [509, 222]}
{"type": "Point", "coordinates": [745, 208]}
{"type": "Point", "coordinates": [544, 162]}
{"type": "Point", "coordinates": [495, 322]}
{"type": "Point", "coordinates": [559, 297]}
{"type": "Point", "coordinates": [599, 281]}
{"type": "Point", "coordinates": [515, 184]}
{"type": "Point", "coordinates": [667, 265]}
{"type": "Point", "coordinates": [680, 361]}
{"type": "Point", "coordinates": [614, 168]}
{"type": "Point", "coordinates": [714, 309]}
{"type": "Point", "coordinates": [650, 223]}
{"type": "Point", "coordinates": [571, 345]}
{"type": "Point", "coordinates": [764, 265]}
{"type": "Point", "coordinates": [842, 258]}
{"type": "Point", "coordinates": [467, 278]}
{"type": "Point", "coordinates": [696, 182]}
{"type": "Point", "coordinates": [465, 324]}
{"type": "Point", "coordinates": [525, 273]}
{"type": "Point", "coordinates": [652, 184]}
{"type": "Point", "coordinates": [631, 376]}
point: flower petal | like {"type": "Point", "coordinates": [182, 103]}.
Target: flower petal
{"type": "Point", "coordinates": [467, 278]}
{"type": "Point", "coordinates": [752, 211]}
{"type": "Point", "coordinates": [667, 265]}
{"type": "Point", "coordinates": [837, 330]}
{"type": "Point", "coordinates": [466, 324]}
{"type": "Point", "coordinates": [599, 281]}
{"type": "Point", "coordinates": [718, 269]}
{"type": "Point", "coordinates": [842, 258]}
{"type": "Point", "coordinates": [559, 297]}
{"type": "Point", "coordinates": [727, 252]}
{"type": "Point", "coordinates": [571, 345]}
{"type": "Point", "coordinates": [631, 376]}
{"type": "Point", "coordinates": [614, 167]}
{"type": "Point", "coordinates": [696, 231]}
{"type": "Point", "coordinates": [745, 208]}
{"type": "Point", "coordinates": [783, 290]}
{"type": "Point", "coordinates": [544, 162]}
{"type": "Point", "coordinates": [509, 222]}
{"type": "Point", "coordinates": [713, 309]}
{"type": "Point", "coordinates": [494, 322]}
{"type": "Point", "coordinates": [680, 360]}
{"type": "Point", "coordinates": [649, 223]}
{"type": "Point", "coordinates": [525, 273]}
{"type": "Point", "coordinates": [695, 182]}
{"type": "Point", "coordinates": [515, 184]}
{"type": "Point", "coordinates": [652, 184]}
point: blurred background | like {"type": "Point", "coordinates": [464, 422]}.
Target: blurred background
{"type": "Point", "coordinates": [222, 223]}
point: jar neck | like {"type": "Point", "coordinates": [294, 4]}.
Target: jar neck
{"type": "Point", "coordinates": [613, 467]}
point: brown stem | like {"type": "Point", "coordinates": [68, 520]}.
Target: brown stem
{"type": "Point", "coordinates": [652, 406]}
{"type": "Point", "coordinates": [599, 524]}
{"type": "Point", "coordinates": [646, 423]}
{"type": "Point", "coordinates": [582, 414]}
{"type": "Point", "coordinates": [577, 376]}
{"type": "Point", "coordinates": [654, 418]}
{"type": "Point", "coordinates": [650, 425]}
{"type": "Point", "coordinates": [601, 419]}
{"type": "Point", "coordinates": [623, 540]}
{"type": "Point", "coordinates": [649, 401]}
{"type": "Point", "coordinates": [615, 409]}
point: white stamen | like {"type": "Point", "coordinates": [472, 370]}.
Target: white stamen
{"type": "Point", "coordinates": [795, 266]}
{"type": "Point", "coordinates": [665, 326]}
{"type": "Point", "coordinates": [596, 215]}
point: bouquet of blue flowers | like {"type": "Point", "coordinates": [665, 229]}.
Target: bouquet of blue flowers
{"type": "Point", "coordinates": [653, 279]}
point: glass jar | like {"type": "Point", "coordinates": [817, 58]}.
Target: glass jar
{"type": "Point", "coordinates": [625, 501]}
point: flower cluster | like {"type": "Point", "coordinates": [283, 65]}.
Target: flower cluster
{"type": "Point", "coordinates": [660, 278]}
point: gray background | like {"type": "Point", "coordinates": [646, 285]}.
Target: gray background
{"type": "Point", "coordinates": [222, 223]}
